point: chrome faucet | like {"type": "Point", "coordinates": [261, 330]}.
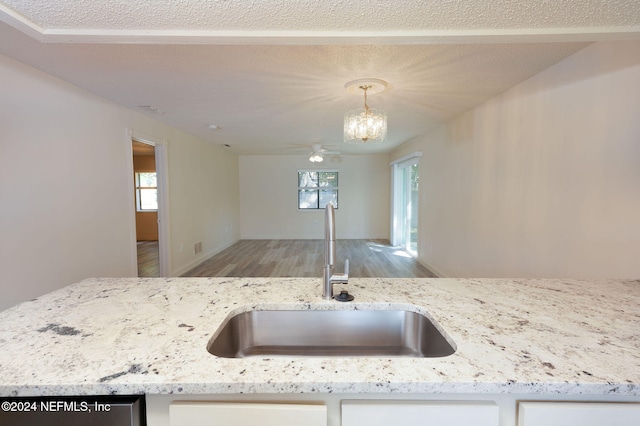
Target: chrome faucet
{"type": "Point", "coordinates": [328, 277]}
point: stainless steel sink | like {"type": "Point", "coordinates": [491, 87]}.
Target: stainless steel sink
{"type": "Point", "coordinates": [361, 333]}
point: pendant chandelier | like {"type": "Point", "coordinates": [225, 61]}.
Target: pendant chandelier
{"type": "Point", "coordinates": [365, 125]}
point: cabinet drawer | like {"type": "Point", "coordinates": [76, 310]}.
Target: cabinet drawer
{"type": "Point", "coordinates": [578, 413]}
{"type": "Point", "coordinates": [419, 413]}
{"type": "Point", "coordinates": [191, 413]}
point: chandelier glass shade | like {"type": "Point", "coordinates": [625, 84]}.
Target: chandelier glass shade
{"type": "Point", "coordinates": [365, 125]}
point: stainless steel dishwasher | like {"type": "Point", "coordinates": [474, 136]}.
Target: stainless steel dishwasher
{"type": "Point", "coordinates": [114, 410]}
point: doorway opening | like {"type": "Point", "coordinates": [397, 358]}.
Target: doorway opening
{"type": "Point", "coordinates": [149, 206]}
{"type": "Point", "coordinates": [146, 194]}
{"type": "Point", "coordinates": [406, 177]}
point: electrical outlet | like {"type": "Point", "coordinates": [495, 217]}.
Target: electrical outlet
{"type": "Point", "coordinates": [197, 247]}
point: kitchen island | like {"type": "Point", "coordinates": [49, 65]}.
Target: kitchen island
{"type": "Point", "coordinates": [540, 338]}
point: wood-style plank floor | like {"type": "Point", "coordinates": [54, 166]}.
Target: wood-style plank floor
{"type": "Point", "coordinates": [305, 258]}
{"type": "Point", "coordinates": [148, 259]}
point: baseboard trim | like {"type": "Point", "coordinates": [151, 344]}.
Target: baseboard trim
{"type": "Point", "coordinates": [432, 268]}
{"type": "Point", "coordinates": [206, 256]}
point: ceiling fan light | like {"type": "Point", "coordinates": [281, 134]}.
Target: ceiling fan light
{"type": "Point", "coordinates": [316, 158]}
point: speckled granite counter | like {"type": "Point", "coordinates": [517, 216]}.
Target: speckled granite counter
{"type": "Point", "coordinates": [130, 336]}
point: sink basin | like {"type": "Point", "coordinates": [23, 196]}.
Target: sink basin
{"type": "Point", "coordinates": [361, 333]}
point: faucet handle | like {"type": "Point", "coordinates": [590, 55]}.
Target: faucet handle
{"type": "Point", "coordinates": [346, 267]}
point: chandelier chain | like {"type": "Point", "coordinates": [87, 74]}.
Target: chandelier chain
{"type": "Point", "coordinates": [365, 88]}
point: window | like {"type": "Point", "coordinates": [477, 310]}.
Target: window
{"type": "Point", "coordinates": [146, 192]}
{"type": "Point", "coordinates": [317, 188]}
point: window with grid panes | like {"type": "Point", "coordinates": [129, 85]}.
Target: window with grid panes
{"type": "Point", "coordinates": [317, 188]}
{"type": "Point", "coordinates": [146, 192]}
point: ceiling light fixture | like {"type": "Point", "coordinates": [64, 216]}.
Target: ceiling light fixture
{"type": "Point", "coordinates": [365, 125]}
{"type": "Point", "coordinates": [316, 157]}
{"type": "Point", "coordinates": [151, 109]}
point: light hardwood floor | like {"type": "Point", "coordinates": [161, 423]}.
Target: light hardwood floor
{"type": "Point", "coordinates": [305, 258]}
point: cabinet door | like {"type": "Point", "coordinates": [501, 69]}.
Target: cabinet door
{"type": "Point", "coordinates": [578, 413]}
{"type": "Point", "coordinates": [419, 413]}
{"type": "Point", "coordinates": [190, 413]}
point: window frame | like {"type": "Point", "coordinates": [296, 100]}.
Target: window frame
{"type": "Point", "coordinates": [317, 188]}
{"type": "Point", "coordinates": [136, 180]}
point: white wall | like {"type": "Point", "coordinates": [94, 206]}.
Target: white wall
{"type": "Point", "coordinates": [269, 203]}
{"type": "Point", "coordinates": [542, 181]}
{"type": "Point", "coordinates": [205, 202]}
{"type": "Point", "coordinates": [65, 186]}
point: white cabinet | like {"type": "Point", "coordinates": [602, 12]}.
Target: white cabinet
{"type": "Point", "coordinates": [419, 413]}
{"type": "Point", "coordinates": [578, 414]}
{"type": "Point", "coordinates": [199, 413]}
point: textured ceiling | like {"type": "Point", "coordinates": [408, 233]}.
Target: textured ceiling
{"type": "Point", "coordinates": [326, 15]}
{"type": "Point", "coordinates": [271, 73]}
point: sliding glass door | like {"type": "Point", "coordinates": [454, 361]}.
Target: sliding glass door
{"type": "Point", "coordinates": [405, 204]}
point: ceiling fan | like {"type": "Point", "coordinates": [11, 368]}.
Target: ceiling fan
{"type": "Point", "coordinates": [318, 152]}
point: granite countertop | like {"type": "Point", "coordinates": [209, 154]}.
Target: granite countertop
{"type": "Point", "coordinates": [131, 336]}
